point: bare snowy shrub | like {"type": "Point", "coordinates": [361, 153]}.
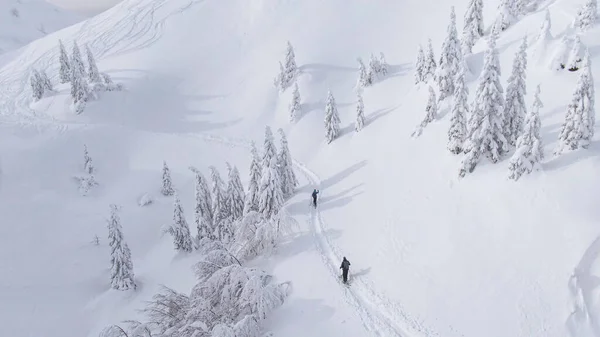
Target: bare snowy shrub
{"type": "Point", "coordinates": [145, 200]}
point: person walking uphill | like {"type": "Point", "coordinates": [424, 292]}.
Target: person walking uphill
{"type": "Point", "coordinates": [345, 267]}
{"type": "Point", "coordinates": [314, 196]}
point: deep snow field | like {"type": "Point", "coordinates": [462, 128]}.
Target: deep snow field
{"type": "Point", "coordinates": [432, 254]}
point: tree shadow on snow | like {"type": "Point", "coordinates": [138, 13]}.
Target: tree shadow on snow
{"type": "Point", "coordinates": [342, 174]}
{"type": "Point", "coordinates": [372, 117]}
{"type": "Point", "coordinates": [340, 199]}
{"type": "Point", "coordinates": [570, 157]}
{"type": "Point", "coordinates": [156, 104]}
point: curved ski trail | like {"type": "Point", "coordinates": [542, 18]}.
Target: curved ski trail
{"type": "Point", "coordinates": [378, 314]}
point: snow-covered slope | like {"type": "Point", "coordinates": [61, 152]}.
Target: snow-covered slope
{"type": "Point", "coordinates": [22, 21]}
{"type": "Point", "coordinates": [431, 254]}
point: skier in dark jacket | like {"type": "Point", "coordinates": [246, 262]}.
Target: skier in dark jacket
{"type": "Point", "coordinates": [314, 196]}
{"type": "Point", "coordinates": [345, 267]}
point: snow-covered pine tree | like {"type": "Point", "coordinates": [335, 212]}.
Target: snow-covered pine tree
{"type": "Point", "coordinates": [431, 112]}
{"type": "Point", "coordinates": [77, 60]}
{"type": "Point", "coordinates": [121, 269]}
{"type": "Point", "coordinates": [269, 150]}
{"type": "Point", "coordinates": [543, 38]}
{"type": "Point", "coordinates": [46, 83]}
{"type": "Point", "coordinates": [332, 119]}
{"type": "Point", "coordinates": [458, 122]}
{"type": "Point", "coordinates": [420, 66]}
{"type": "Point", "coordinates": [291, 69]}
{"type": "Point", "coordinates": [88, 166]}
{"type": "Point", "coordinates": [473, 26]}
{"type": "Point", "coordinates": [561, 54]}
{"type": "Point", "coordinates": [575, 55]}
{"type": "Point", "coordinates": [430, 65]}
{"type": "Point", "coordinates": [515, 109]}
{"type": "Point", "coordinates": [251, 203]}
{"type": "Point", "coordinates": [587, 15]}
{"type": "Point", "coordinates": [383, 65]}
{"type": "Point", "coordinates": [578, 129]}
{"type": "Point", "coordinates": [545, 34]}
{"type": "Point", "coordinates": [167, 184]}
{"type": "Point", "coordinates": [530, 150]}
{"type": "Point", "coordinates": [485, 124]}
{"type": "Point", "coordinates": [179, 229]}
{"type": "Point", "coordinates": [280, 80]}
{"type": "Point", "coordinates": [219, 205]}
{"type": "Point", "coordinates": [286, 167]}
{"type": "Point", "coordinates": [65, 64]}
{"type": "Point", "coordinates": [79, 87]}
{"type": "Point", "coordinates": [363, 75]}
{"type": "Point", "coordinates": [93, 73]}
{"type": "Point", "coordinates": [360, 113]}
{"type": "Point", "coordinates": [508, 13]}
{"type": "Point", "coordinates": [203, 210]}
{"type": "Point", "coordinates": [374, 69]}
{"type": "Point", "coordinates": [270, 194]}
{"type": "Point", "coordinates": [235, 194]}
{"type": "Point", "coordinates": [450, 58]}
{"type": "Point", "coordinates": [37, 88]}
{"type": "Point", "coordinates": [295, 107]}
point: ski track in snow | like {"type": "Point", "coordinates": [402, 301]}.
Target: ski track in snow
{"type": "Point", "coordinates": [379, 316]}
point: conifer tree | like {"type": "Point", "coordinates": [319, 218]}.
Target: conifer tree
{"type": "Point", "coordinates": [235, 194]}
{"type": "Point", "coordinates": [79, 87]}
{"type": "Point", "coordinates": [286, 168]}
{"type": "Point", "coordinates": [45, 81]}
{"type": "Point", "coordinates": [251, 203]}
{"type": "Point", "coordinates": [77, 61]}
{"type": "Point", "coordinates": [360, 114]}
{"type": "Point", "coordinates": [363, 76]}
{"type": "Point", "coordinates": [485, 124]}
{"type": "Point", "coordinates": [203, 210]}
{"type": "Point", "coordinates": [383, 65]}
{"type": "Point", "coordinates": [458, 122]}
{"type": "Point", "coordinates": [270, 192]}
{"type": "Point", "coordinates": [543, 38]}
{"type": "Point", "coordinates": [374, 69]}
{"type": "Point", "coordinates": [295, 107]}
{"type": "Point", "coordinates": [269, 150]}
{"type": "Point", "coordinates": [578, 129]}
{"type": "Point", "coordinates": [450, 58]}
{"type": "Point", "coordinates": [508, 13]}
{"type": "Point", "coordinates": [332, 119]}
{"type": "Point", "coordinates": [291, 69]}
{"type": "Point", "coordinates": [561, 55]}
{"type": "Point", "coordinates": [37, 87]}
{"type": "Point", "coordinates": [88, 166]}
{"type": "Point", "coordinates": [575, 55]}
{"type": "Point", "coordinates": [182, 239]}
{"type": "Point", "coordinates": [530, 150]}
{"type": "Point", "coordinates": [430, 65]}
{"type": "Point", "coordinates": [587, 15]}
{"type": "Point", "coordinates": [93, 73]}
{"type": "Point", "coordinates": [473, 26]}
{"type": "Point", "coordinates": [420, 66]}
{"type": "Point", "coordinates": [431, 111]}
{"type": "Point", "coordinates": [121, 270]}
{"type": "Point", "coordinates": [167, 185]}
{"type": "Point", "coordinates": [65, 64]}
{"type": "Point", "coordinates": [515, 109]}
{"type": "Point", "coordinates": [219, 203]}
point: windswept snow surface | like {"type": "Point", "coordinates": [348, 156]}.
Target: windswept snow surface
{"type": "Point", "coordinates": [22, 21]}
{"type": "Point", "coordinates": [85, 7]}
{"type": "Point", "coordinates": [431, 255]}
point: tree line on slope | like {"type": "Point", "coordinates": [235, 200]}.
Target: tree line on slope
{"type": "Point", "coordinates": [233, 225]}
{"type": "Point", "coordinates": [86, 83]}
{"type": "Point", "coordinates": [496, 121]}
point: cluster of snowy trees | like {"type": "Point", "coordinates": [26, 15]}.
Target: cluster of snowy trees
{"type": "Point", "coordinates": [498, 121]}
{"type": "Point", "coordinates": [85, 83]}
{"type": "Point", "coordinates": [378, 68]}
{"type": "Point", "coordinates": [233, 225]}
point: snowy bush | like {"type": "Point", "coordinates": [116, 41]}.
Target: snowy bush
{"type": "Point", "coordinates": [145, 200]}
